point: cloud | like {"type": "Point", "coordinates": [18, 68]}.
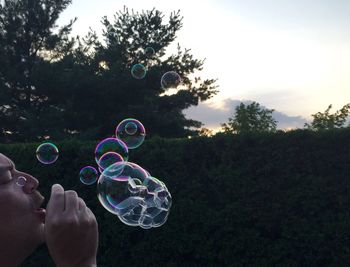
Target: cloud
{"type": "Point", "coordinates": [212, 114]}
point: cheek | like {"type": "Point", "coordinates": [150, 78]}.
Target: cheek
{"type": "Point", "coordinates": [13, 203]}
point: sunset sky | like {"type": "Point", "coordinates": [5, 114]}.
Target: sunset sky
{"type": "Point", "coordinates": [289, 55]}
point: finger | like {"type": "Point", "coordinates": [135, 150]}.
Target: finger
{"type": "Point", "coordinates": [72, 203]}
{"type": "Point", "coordinates": [82, 205]}
{"type": "Point", "coordinates": [56, 202]}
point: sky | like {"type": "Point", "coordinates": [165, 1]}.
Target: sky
{"type": "Point", "coordinates": [292, 56]}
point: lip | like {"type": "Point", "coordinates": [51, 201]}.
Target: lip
{"type": "Point", "coordinates": [38, 200]}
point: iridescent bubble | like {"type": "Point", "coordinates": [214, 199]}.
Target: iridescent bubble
{"type": "Point", "coordinates": [131, 128]}
{"type": "Point", "coordinates": [149, 51]}
{"type": "Point", "coordinates": [111, 145]}
{"type": "Point", "coordinates": [108, 159]}
{"type": "Point", "coordinates": [170, 80]}
{"type": "Point", "coordinates": [114, 193]}
{"type": "Point", "coordinates": [88, 175]}
{"type": "Point", "coordinates": [131, 132]}
{"type": "Point", "coordinates": [135, 197]}
{"type": "Point", "coordinates": [138, 71]}
{"type": "Point", "coordinates": [157, 203]}
{"type": "Point", "coordinates": [21, 181]}
{"type": "Point", "coordinates": [47, 153]}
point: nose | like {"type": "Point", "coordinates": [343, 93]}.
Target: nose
{"type": "Point", "coordinates": [31, 183]}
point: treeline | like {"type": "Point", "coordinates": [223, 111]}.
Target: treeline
{"type": "Point", "coordinates": [272, 199]}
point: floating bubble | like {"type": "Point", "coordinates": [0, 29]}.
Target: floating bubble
{"type": "Point", "coordinates": [108, 159]}
{"type": "Point", "coordinates": [21, 181]}
{"type": "Point", "coordinates": [113, 192]}
{"type": "Point", "coordinates": [47, 153]}
{"type": "Point", "coordinates": [111, 145]}
{"type": "Point", "coordinates": [135, 197]}
{"type": "Point", "coordinates": [131, 132]}
{"type": "Point", "coordinates": [88, 175]}
{"type": "Point", "coordinates": [156, 206]}
{"type": "Point", "coordinates": [131, 128]}
{"type": "Point", "coordinates": [149, 51]}
{"type": "Point", "coordinates": [138, 71]}
{"type": "Point", "coordinates": [170, 79]}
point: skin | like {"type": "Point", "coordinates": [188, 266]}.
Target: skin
{"type": "Point", "coordinates": [69, 228]}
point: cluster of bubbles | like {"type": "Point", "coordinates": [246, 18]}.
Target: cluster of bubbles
{"type": "Point", "coordinates": [123, 188]}
{"type": "Point", "coordinates": [138, 199]}
{"type": "Point", "coordinates": [169, 80]}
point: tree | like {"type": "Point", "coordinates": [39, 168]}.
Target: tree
{"type": "Point", "coordinates": [29, 41]}
{"type": "Point", "coordinates": [103, 92]}
{"type": "Point", "coordinates": [327, 121]}
{"type": "Point", "coordinates": [52, 85]}
{"type": "Point", "coordinates": [250, 118]}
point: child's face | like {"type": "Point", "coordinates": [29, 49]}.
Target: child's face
{"type": "Point", "coordinates": [21, 220]}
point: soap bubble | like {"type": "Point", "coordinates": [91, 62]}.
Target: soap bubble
{"type": "Point", "coordinates": [108, 159]}
{"type": "Point", "coordinates": [131, 132]}
{"type": "Point", "coordinates": [149, 51]}
{"type": "Point", "coordinates": [113, 190]}
{"type": "Point", "coordinates": [154, 210]}
{"type": "Point", "coordinates": [111, 145]}
{"type": "Point", "coordinates": [88, 175]}
{"type": "Point", "coordinates": [21, 181]}
{"type": "Point", "coordinates": [138, 71]}
{"type": "Point", "coordinates": [47, 153]}
{"type": "Point", "coordinates": [135, 197]}
{"type": "Point", "coordinates": [131, 128]}
{"type": "Point", "coordinates": [170, 79]}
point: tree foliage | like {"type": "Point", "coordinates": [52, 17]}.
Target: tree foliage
{"type": "Point", "coordinates": [250, 118]}
{"type": "Point", "coordinates": [106, 93]}
{"type": "Point", "coordinates": [29, 39]}
{"type": "Point", "coordinates": [56, 86]}
{"type": "Point", "coordinates": [327, 121]}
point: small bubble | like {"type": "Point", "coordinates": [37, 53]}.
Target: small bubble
{"type": "Point", "coordinates": [138, 71]}
{"type": "Point", "coordinates": [170, 80]}
{"type": "Point", "coordinates": [47, 153]}
{"type": "Point", "coordinates": [21, 181]}
{"type": "Point", "coordinates": [88, 175]}
{"type": "Point", "coordinates": [149, 52]}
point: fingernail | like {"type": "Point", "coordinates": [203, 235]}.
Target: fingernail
{"type": "Point", "coordinates": [55, 186]}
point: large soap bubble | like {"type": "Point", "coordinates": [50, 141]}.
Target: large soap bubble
{"type": "Point", "coordinates": [117, 187]}
{"type": "Point", "coordinates": [126, 190]}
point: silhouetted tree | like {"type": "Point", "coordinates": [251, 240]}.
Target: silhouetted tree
{"type": "Point", "coordinates": [250, 118]}
{"type": "Point", "coordinates": [103, 91]}
{"type": "Point", "coordinates": [54, 85]}
{"type": "Point", "coordinates": [29, 41]}
{"type": "Point", "coordinates": [327, 121]}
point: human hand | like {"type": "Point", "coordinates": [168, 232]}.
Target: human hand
{"type": "Point", "coordinates": [70, 229]}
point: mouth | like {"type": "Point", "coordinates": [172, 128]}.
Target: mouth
{"type": "Point", "coordinates": [38, 209]}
